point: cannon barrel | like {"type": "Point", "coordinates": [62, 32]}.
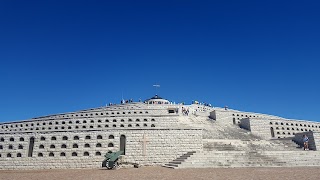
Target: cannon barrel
{"type": "Point", "coordinates": [111, 159]}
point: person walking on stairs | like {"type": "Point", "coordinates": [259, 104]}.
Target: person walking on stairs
{"type": "Point", "coordinates": [305, 142]}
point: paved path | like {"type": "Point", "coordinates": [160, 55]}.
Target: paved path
{"type": "Point", "coordinates": [159, 173]}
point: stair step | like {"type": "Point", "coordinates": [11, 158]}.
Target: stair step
{"type": "Point", "coordinates": [172, 165]}
{"type": "Point", "coordinates": [175, 162]}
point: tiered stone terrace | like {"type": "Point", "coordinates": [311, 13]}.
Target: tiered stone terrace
{"type": "Point", "coordinates": [80, 139]}
{"type": "Point", "coordinates": [157, 134]}
{"type": "Point", "coordinates": [133, 116]}
{"type": "Point", "coordinates": [225, 144]}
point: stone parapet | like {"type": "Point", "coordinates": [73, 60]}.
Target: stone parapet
{"type": "Point", "coordinates": [86, 149]}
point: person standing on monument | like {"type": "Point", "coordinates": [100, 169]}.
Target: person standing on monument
{"type": "Point", "coordinates": [305, 142]}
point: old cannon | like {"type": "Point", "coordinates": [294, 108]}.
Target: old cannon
{"type": "Point", "coordinates": [111, 160]}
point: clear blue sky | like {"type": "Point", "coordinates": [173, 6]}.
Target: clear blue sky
{"type": "Point", "coordinates": [62, 56]}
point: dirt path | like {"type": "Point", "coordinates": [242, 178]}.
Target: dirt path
{"type": "Point", "coordinates": [159, 173]}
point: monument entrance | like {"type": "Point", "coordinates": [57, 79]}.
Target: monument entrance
{"type": "Point", "coordinates": [272, 132]}
{"type": "Point", "coordinates": [31, 144]}
{"type": "Point", "coordinates": [123, 144]}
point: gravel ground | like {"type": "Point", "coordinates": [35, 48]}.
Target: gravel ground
{"type": "Point", "coordinates": [148, 173]}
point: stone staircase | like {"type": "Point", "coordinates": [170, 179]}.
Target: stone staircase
{"type": "Point", "coordinates": [215, 129]}
{"type": "Point", "coordinates": [215, 159]}
{"type": "Point", "coordinates": [227, 145]}
{"type": "Point", "coordinates": [225, 159]}
{"type": "Point", "coordinates": [222, 158]}
{"type": "Point", "coordinates": [288, 143]}
{"type": "Point", "coordinates": [248, 145]}
{"type": "Point", "coordinates": [175, 163]}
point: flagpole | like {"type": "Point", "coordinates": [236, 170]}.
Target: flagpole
{"type": "Point", "coordinates": [156, 86]}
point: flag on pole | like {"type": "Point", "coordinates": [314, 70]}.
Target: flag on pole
{"type": "Point", "coordinates": [157, 86]}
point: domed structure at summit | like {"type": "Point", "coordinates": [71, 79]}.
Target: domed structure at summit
{"type": "Point", "coordinates": [158, 132]}
{"type": "Point", "coordinates": [156, 100]}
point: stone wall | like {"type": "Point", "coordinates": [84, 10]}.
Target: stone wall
{"type": "Point", "coordinates": [231, 116]}
{"type": "Point", "coordinates": [316, 137]}
{"type": "Point", "coordinates": [278, 128]}
{"type": "Point", "coordinates": [288, 128]}
{"type": "Point", "coordinates": [245, 124]}
{"type": "Point", "coordinates": [92, 123]}
{"type": "Point", "coordinates": [222, 116]}
{"type": "Point", "coordinates": [260, 127]}
{"type": "Point", "coordinates": [87, 149]}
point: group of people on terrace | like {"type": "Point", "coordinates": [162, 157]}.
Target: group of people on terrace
{"type": "Point", "coordinates": [123, 102]}
{"type": "Point", "coordinates": [126, 101]}
{"type": "Point", "coordinates": [202, 103]}
{"type": "Point", "coordinates": [185, 111]}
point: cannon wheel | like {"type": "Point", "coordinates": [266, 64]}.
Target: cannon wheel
{"type": "Point", "coordinates": [111, 165]}
{"type": "Point", "coordinates": [104, 163]}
